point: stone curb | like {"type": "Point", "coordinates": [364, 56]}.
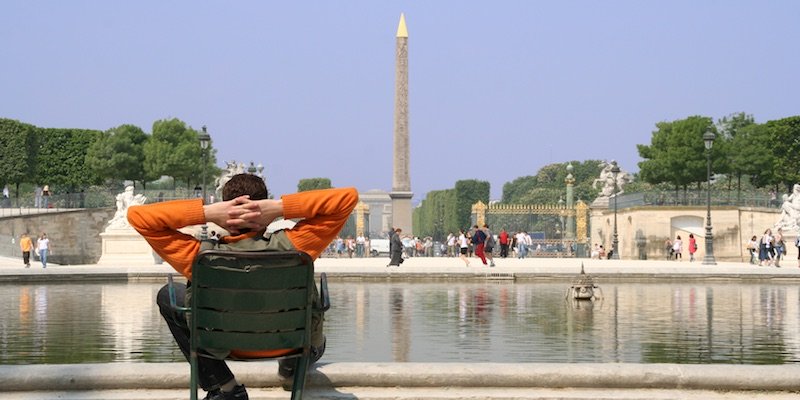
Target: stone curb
{"type": "Point", "coordinates": [115, 376]}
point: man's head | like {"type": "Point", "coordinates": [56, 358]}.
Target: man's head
{"type": "Point", "coordinates": [244, 184]}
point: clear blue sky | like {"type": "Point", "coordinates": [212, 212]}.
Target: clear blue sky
{"type": "Point", "coordinates": [497, 89]}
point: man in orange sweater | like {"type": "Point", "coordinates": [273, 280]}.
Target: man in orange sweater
{"type": "Point", "coordinates": [245, 212]}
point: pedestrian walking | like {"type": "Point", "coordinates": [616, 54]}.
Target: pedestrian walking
{"type": "Point", "coordinates": [26, 245]}
{"type": "Point", "coordinates": [43, 248]}
{"type": "Point", "coordinates": [503, 239]}
{"type": "Point", "coordinates": [463, 245]}
{"type": "Point", "coordinates": [488, 246]}
{"type": "Point", "coordinates": [752, 248]}
{"type": "Point", "coordinates": [479, 240]}
{"type": "Point", "coordinates": [692, 247]}
{"type": "Point", "coordinates": [395, 248]}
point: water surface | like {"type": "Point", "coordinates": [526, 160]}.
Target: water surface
{"type": "Point", "coordinates": [417, 322]}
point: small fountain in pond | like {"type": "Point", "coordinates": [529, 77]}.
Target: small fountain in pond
{"type": "Point", "coordinates": [583, 288]}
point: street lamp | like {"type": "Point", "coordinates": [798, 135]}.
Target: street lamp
{"type": "Point", "coordinates": [205, 140]}
{"type": "Point", "coordinates": [708, 259]}
{"type": "Point", "coordinates": [615, 243]}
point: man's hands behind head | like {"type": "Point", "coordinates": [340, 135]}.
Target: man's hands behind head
{"type": "Point", "coordinates": [242, 213]}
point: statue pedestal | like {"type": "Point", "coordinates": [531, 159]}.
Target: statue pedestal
{"type": "Point", "coordinates": [124, 246]}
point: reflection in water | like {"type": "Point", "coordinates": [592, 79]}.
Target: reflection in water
{"type": "Point", "coordinates": [419, 322]}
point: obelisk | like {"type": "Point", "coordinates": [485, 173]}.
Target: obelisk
{"type": "Point", "coordinates": [401, 184]}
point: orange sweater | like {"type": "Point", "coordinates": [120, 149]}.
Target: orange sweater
{"type": "Point", "coordinates": [324, 213]}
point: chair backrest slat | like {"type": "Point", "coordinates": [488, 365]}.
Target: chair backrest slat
{"type": "Point", "coordinates": [249, 341]}
{"type": "Point", "coordinates": [251, 322]}
{"type": "Point", "coordinates": [250, 300]}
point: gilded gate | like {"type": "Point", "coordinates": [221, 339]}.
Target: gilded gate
{"type": "Point", "coordinates": [555, 229]}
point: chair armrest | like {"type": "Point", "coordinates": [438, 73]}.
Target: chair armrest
{"type": "Point", "coordinates": [172, 302]}
{"type": "Point", "coordinates": [325, 301]}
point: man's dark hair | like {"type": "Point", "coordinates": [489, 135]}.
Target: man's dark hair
{"type": "Point", "coordinates": [244, 184]}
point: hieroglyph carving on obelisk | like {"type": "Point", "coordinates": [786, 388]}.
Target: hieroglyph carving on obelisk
{"type": "Point", "coordinates": [401, 183]}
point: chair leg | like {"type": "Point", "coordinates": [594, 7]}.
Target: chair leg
{"type": "Point", "coordinates": [300, 376]}
{"type": "Point", "coordinates": [193, 375]}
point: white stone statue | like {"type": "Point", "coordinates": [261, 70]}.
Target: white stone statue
{"type": "Point", "coordinates": [231, 169]}
{"type": "Point", "coordinates": [124, 201]}
{"type": "Point", "coordinates": [790, 210]}
{"type": "Point", "coordinates": [607, 179]}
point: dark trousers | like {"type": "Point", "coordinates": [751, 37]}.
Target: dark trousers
{"type": "Point", "coordinates": [212, 372]}
{"type": "Point", "coordinates": [397, 258]}
{"type": "Point", "coordinates": [26, 257]}
{"type": "Point", "coordinates": [503, 250]}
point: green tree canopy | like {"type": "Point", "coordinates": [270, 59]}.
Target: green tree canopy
{"type": "Point", "coordinates": [785, 143]}
{"type": "Point", "coordinates": [61, 158]}
{"type": "Point", "coordinates": [436, 215]}
{"type": "Point", "coordinates": [313, 184]}
{"type": "Point", "coordinates": [17, 152]}
{"type": "Point", "coordinates": [548, 185]}
{"type": "Point", "coordinates": [677, 153]}
{"type": "Point", "coordinates": [119, 154]}
{"type": "Point", "coordinates": [469, 192]}
{"type": "Point", "coordinates": [174, 150]}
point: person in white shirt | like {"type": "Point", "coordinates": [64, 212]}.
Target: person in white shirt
{"type": "Point", "coordinates": [43, 248]}
{"type": "Point", "coordinates": [451, 245]}
{"type": "Point", "coordinates": [360, 240]}
{"type": "Point", "coordinates": [677, 248]}
{"type": "Point", "coordinates": [463, 243]}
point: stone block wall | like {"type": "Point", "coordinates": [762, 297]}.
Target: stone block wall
{"type": "Point", "coordinates": [732, 229]}
{"type": "Point", "coordinates": [74, 234]}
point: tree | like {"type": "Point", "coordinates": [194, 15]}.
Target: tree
{"type": "Point", "coordinates": [174, 150]}
{"type": "Point", "coordinates": [313, 184]}
{"type": "Point", "coordinates": [436, 215]}
{"type": "Point", "coordinates": [749, 153]}
{"type": "Point", "coordinates": [119, 154]}
{"type": "Point", "coordinates": [784, 140]}
{"type": "Point", "coordinates": [728, 129]}
{"type": "Point", "coordinates": [469, 192]}
{"type": "Point", "coordinates": [61, 158]}
{"type": "Point", "coordinates": [677, 153]}
{"type": "Point", "coordinates": [548, 185]}
{"type": "Point", "coordinates": [17, 153]}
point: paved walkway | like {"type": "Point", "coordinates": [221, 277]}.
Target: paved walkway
{"type": "Point", "coordinates": [126, 381]}
{"type": "Point", "coordinates": [451, 268]}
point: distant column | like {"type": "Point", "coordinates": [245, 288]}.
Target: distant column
{"type": "Point", "coordinates": [401, 183]}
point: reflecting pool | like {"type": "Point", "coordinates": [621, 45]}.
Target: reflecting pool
{"type": "Point", "coordinates": [699, 323]}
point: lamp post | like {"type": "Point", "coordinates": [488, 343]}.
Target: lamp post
{"type": "Point", "coordinates": [205, 140]}
{"type": "Point", "coordinates": [615, 244]}
{"type": "Point", "coordinates": [708, 259]}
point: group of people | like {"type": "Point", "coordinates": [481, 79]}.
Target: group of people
{"type": "Point", "coordinates": [770, 249]}
{"type": "Point", "coordinates": [478, 241]}
{"type": "Point", "coordinates": [41, 248]}
{"type": "Point", "coordinates": [674, 249]}
{"type": "Point", "coordinates": [360, 246]}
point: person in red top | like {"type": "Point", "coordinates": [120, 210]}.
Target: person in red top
{"type": "Point", "coordinates": [503, 239]}
{"type": "Point", "coordinates": [692, 246]}
{"type": "Point", "coordinates": [245, 212]}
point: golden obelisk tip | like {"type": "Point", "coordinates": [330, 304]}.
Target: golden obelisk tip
{"type": "Point", "coordinates": [401, 27]}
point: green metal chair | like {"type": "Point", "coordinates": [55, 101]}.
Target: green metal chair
{"type": "Point", "coordinates": [253, 301]}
